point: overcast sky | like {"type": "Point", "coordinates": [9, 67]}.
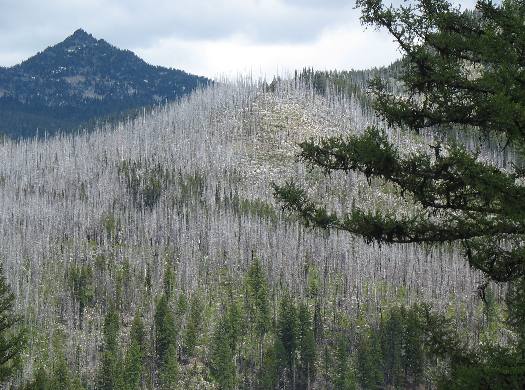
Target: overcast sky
{"type": "Point", "coordinates": [207, 37]}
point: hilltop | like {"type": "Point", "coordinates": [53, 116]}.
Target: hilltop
{"type": "Point", "coordinates": [82, 79]}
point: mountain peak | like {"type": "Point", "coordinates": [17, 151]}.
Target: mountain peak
{"type": "Point", "coordinates": [81, 35]}
{"type": "Point", "coordinates": [81, 79]}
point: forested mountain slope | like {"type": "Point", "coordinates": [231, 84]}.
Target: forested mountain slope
{"type": "Point", "coordinates": [169, 213]}
{"type": "Point", "coordinates": [79, 80]}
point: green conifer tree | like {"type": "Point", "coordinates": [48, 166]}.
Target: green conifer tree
{"type": "Point", "coordinates": [392, 344]}
{"type": "Point", "coordinates": [270, 377]}
{"type": "Point", "coordinates": [344, 375]}
{"type": "Point", "coordinates": [169, 280]}
{"type": "Point", "coordinates": [222, 355]}
{"type": "Point", "coordinates": [257, 291]}
{"type": "Point", "coordinates": [307, 348]}
{"type": "Point", "coordinates": [194, 324]}
{"type": "Point", "coordinates": [414, 359]}
{"type": "Point", "coordinates": [110, 373]}
{"type": "Point", "coordinates": [12, 334]}
{"type": "Point", "coordinates": [369, 361]}
{"type": "Point", "coordinates": [165, 330]}
{"type": "Point", "coordinates": [134, 361]}
{"type": "Point", "coordinates": [258, 307]}
{"type": "Point", "coordinates": [287, 332]}
{"type": "Point", "coordinates": [169, 372]}
{"type": "Point", "coordinates": [61, 377]}
{"type": "Point", "coordinates": [234, 323]}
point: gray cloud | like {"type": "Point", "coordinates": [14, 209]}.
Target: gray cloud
{"type": "Point", "coordinates": [28, 26]}
{"type": "Point", "coordinates": [30, 23]}
{"type": "Point", "coordinates": [321, 3]}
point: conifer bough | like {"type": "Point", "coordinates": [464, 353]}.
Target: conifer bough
{"type": "Point", "coordinates": [462, 71]}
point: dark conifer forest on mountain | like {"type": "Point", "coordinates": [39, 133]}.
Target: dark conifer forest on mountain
{"type": "Point", "coordinates": [345, 229]}
{"type": "Point", "coordinates": [82, 81]}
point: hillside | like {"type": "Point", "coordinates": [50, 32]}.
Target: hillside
{"type": "Point", "coordinates": [79, 80]}
{"type": "Point", "coordinates": [175, 207]}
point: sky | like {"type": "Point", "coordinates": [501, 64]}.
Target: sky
{"type": "Point", "coordinates": [213, 38]}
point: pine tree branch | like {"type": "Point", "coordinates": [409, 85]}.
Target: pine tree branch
{"type": "Point", "coordinates": [456, 181]}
